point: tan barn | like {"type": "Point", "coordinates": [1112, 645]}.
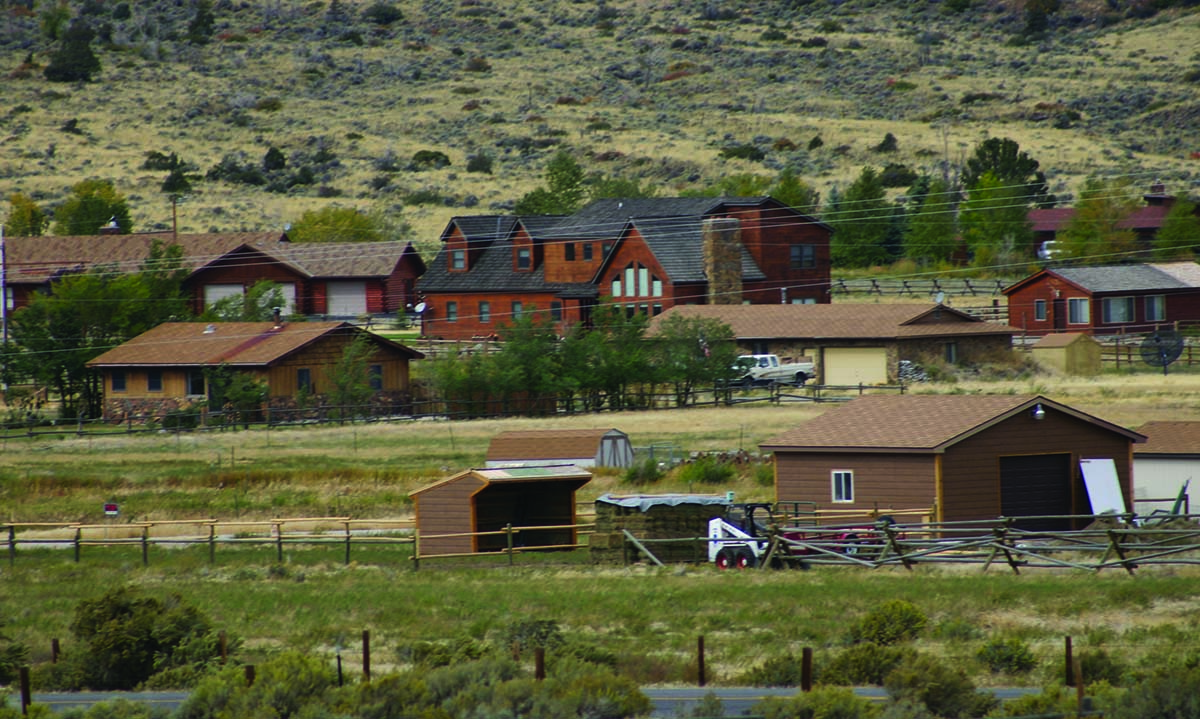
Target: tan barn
{"type": "Point", "coordinates": [580, 447]}
{"type": "Point", "coordinates": [969, 457]}
{"type": "Point", "coordinates": [486, 500]}
{"type": "Point", "coordinates": [165, 368]}
{"type": "Point", "coordinates": [1072, 353]}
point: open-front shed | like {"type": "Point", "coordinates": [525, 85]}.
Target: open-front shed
{"type": "Point", "coordinates": [455, 515]}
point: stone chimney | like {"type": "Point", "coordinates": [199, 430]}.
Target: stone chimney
{"type": "Point", "coordinates": [723, 260]}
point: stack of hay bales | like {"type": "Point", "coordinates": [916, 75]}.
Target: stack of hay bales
{"type": "Point", "coordinates": [654, 517]}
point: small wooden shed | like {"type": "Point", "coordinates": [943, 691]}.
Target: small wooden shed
{"type": "Point", "coordinates": [1072, 353]}
{"type": "Point", "coordinates": [580, 447]}
{"type": "Point", "coordinates": [487, 500]}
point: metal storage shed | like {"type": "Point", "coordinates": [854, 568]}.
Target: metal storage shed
{"type": "Point", "coordinates": [1071, 353]}
{"type": "Point", "coordinates": [580, 447]}
{"type": "Point", "coordinates": [486, 500]}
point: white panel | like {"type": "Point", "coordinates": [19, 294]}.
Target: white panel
{"type": "Point", "coordinates": [346, 299]}
{"type": "Point", "coordinates": [1159, 478]}
{"type": "Point", "coordinates": [1103, 487]}
{"type": "Point", "coordinates": [216, 293]}
{"type": "Point", "coordinates": [289, 297]}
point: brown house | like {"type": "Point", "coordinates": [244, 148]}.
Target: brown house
{"type": "Point", "coordinates": [859, 343]}
{"type": "Point", "coordinates": [970, 457]}
{"type": "Point", "coordinates": [487, 500]}
{"type": "Point", "coordinates": [164, 368]}
{"type": "Point", "coordinates": [342, 279]}
{"type": "Point", "coordinates": [1144, 222]}
{"type": "Point", "coordinates": [644, 254]}
{"type": "Point", "coordinates": [1106, 300]}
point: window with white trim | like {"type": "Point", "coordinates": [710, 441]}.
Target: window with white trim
{"type": "Point", "coordinates": [843, 485]}
{"type": "Point", "coordinates": [458, 259]}
{"type": "Point", "coordinates": [1039, 310]}
{"type": "Point", "coordinates": [1156, 308]}
{"type": "Point", "coordinates": [452, 312]}
{"type": "Point", "coordinates": [1078, 311]}
{"type": "Point", "coordinates": [1116, 310]}
{"type": "Point", "coordinates": [485, 312]}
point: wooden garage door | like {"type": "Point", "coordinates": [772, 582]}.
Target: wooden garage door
{"type": "Point", "coordinates": [855, 365]}
{"type": "Point", "coordinates": [346, 299]}
{"type": "Point", "coordinates": [1036, 485]}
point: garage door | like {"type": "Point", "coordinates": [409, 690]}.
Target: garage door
{"type": "Point", "coordinates": [855, 365]}
{"type": "Point", "coordinates": [216, 293]}
{"type": "Point", "coordinates": [347, 299]}
{"type": "Point", "coordinates": [1036, 485]}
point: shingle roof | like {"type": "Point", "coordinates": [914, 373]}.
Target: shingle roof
{"type": "Point", "coordinates": [37, 260]}
{"type": "Point", "coordinates": [1132, 278]}
{"type": "Point", "coordinates": [548, 473]}
{"type": "Point", "coordinates": [244, 344]}
{"type": "Point", "coordinates": [492, 271]}
{"type": "Point", "coordinates": [914, 423]}
{"type": "Point", "coordinates": [605, 218]}
{"type": "Point", "coordinates": [481, 230]}
{"type": "Point", "coordinates": [676, 244]}
{"type": "Point", "coordinates": [546, 444]}
{"type": "Point", "coordinates": [839, 321]}
{"type": "Point", "coordinates": [1163, 437]}
{"type": "Point", "coordinates": [341, 259]}
{"type": "Point", "coordinates": [1062, 339]}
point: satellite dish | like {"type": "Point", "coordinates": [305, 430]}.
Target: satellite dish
{"type": "Point", "coordinates": [1161, 348]}
{"type": "Point", "coordinates": [419, 308]}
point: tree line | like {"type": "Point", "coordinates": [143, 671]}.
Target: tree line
{"type": "Point", "coordinates": [614, 364]}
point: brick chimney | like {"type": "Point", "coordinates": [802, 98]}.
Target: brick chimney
{"type": "Point", "coordinates": [723, 260]}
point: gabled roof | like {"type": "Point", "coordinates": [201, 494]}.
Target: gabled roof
{"type": "Point", "coordinates": [481, 230]}
{"type": "Point", "coordinates": [38, 260]}
{"type": "Point", "coordinates": [343, 259]}
{"type": "Point", "coordinates": [1163, 437]}
{"type": "Point", "coordinates": [676, 243]}
{"type": "Point", "coordinates": [492, 271]}
{"type": "Point", "coordinates": [1063, 339]}
{"type": "Point", "coordinates": [239, 344]}
{"type": "Point", "coordinates": [548, 444]}
{"type": "Point", "coordinates": [1107, 279]}
{"type": "Point", "coordinates": [507, 475]}
{"type": "Point", "coordinates": [840, 321]}
{"type": "Point", "coordinates": [916, 423]}
{"type": "Point", "coordinates": [605, 219]}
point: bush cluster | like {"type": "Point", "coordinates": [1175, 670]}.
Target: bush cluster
{"type": "Point", "coordinates": [893, 622]}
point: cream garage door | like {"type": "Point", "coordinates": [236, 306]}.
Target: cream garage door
{"type": "Point", "coordinates": [855, 365]}
{"type": "Point", "coordinates": [347, 299]}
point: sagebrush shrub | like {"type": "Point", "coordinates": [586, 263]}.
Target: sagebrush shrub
{"type": "Point", "coordinates": [1006, 656]}
{"type": "Point", "coordinates": [645, 472]}
{"type": "Point", "coordinates": [707, 470]}
{"type": "Point", "coordinates": [894, 621]}
{"type": "Point", "coordinates": [864, 664]}
{"type": "Point", "coordinates": [778, 671]}
{"type": "Point", "coordinates": [944, 690]}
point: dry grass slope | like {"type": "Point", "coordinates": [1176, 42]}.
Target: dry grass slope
{"type": "Point", "coordinates": [634, 88]}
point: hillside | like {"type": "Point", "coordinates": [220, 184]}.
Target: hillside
{"type": "Point", "coordinates": [640, 89]}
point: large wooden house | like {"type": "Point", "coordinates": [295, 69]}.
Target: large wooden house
{"type": "Point", "coordinates": [1144, 222]}
{"type": "Point", "coordinates": [168, 367]}
{"type": "Point", "coordinates": [1105, 300]}
{"type": "Point", "coordinates": [644, 254]}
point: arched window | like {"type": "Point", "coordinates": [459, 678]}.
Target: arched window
{"type": "Point", "coordinates": [636, 280]}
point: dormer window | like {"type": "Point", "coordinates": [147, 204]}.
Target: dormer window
{"type": "Point", "coordinates": [524, 258]}
{"type": "Point", "coordinates": [458, 259]}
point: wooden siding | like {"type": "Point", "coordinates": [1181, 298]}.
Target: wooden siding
{"type": "Point", "coordinates": [633, 250]}
{"type": "Point", "coordinates": [174, 384]}
{"type": "Point", "coordinates": [400, 286]}
{"type": "Point", "coordinates": [768, 234]}
{"type": "Point", "coordinates": [447, 509]}
{"type": "Point", "coordinates": [972, 467]}
{"type": "Point", "coordinates": [897, 481]}
{"type": "Point", "coordinates": [560, 269]}
{"type": "Point", "coordinates": [468, 324]}
{"type": "Point", "coordinates": [244, 268]}
{"type": "Point", "coordinates": [320, 358]}
{"type": "Point", "coordinates": [1181, 306]}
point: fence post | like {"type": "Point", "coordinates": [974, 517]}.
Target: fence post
{"type": "Point", "coordinates": [279, 542]}
{"type": "Point", "coordinates": [1070, 663]}
{"type": "Point", "coordinates": [508, 535]}
{"type": "Point", "coordinates": [366, 649]}
{"type": "Point", "coordinates": [54, 650]}
{"type": "Point", "coordinates": [26, 696]}
{"type": "Point", "coordinates": [146, 546]}
{"type": "Point", "coordinates": [347, 542]}
{"type": "Point", "coordinates": [539, 663]}
{"type": "Point", "coordinates": [12, 545]}
{"type": "Point", "coordinates": [212, 543]}
{"type": "Point", "coordinates": [223, 643]}
{"type": "Point", "coordinates": [701, 680]}
{"type": "Point", "coordinates": [78, 539]}
{"type": "Point", "coordinates": [806, 669]}
{"type": "Point", "coordinates": [249, 672]}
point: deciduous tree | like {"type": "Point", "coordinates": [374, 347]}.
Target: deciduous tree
{"type": "Point", "coordinates": [994, 223]}
{"type": "Point", "coordinates": [1094, 234]}
{"type": "Point", "coordinates": [91, 206]}
{"type": "Point", "coordinates": [1179, 236]}
{"type": "Point", "coordinates": [25, 218]}
{"type": "Point", "coordinates": [932, 228]}
{"type": "Point", "coordinates": [564, 190]}
{"type": "Point", "coordinates": [338, 224]}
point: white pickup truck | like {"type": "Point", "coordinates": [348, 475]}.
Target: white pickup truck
{"type": "Point", "coordinates": [767, 369]}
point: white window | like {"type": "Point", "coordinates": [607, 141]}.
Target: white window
{"type": "Point", "coordinates": [1078, 311]}
{"type": "Point", "coordinates": [656, 287]}
{"type": "Point", "coordinates": [843, 485]}
{"type": "Point", "coordinates": [631, 281]}
{"type": "Point", "coordinates": [1156, 308]}
{"type": "Point", "coordinates": [803, 300]}
{"type": "Point", "coordinates": [1114, 310]}
{"type": "Point", "coordinates": [616, 292]}
{"type": "Point", "coordinates": [643, 282]}
{"type": "Point", "coordinates": [1039, 310]}
{"type": "Point", "coordinates": [215, 293]}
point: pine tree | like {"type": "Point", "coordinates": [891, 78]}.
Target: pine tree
{"type": "Point", "coordinates": [74, 61]}
{"type": "Point", "coordinates": [200, 29]}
